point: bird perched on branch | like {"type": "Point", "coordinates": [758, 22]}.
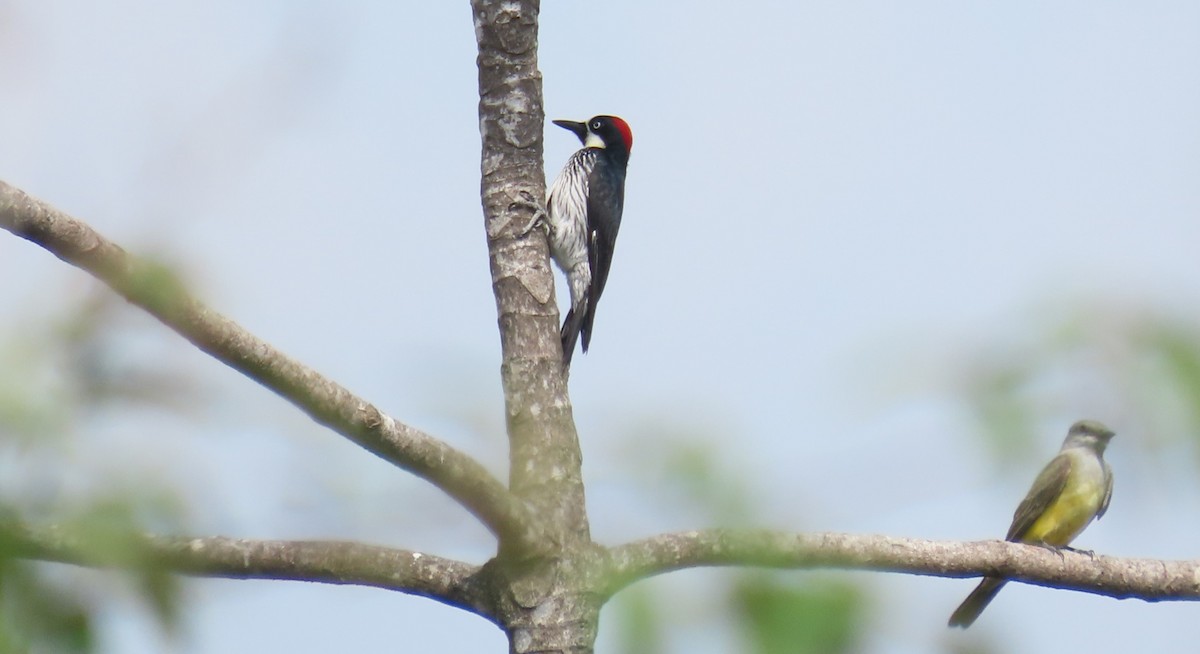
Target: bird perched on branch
{"type": "Point", "coordinates": [1071, 491]}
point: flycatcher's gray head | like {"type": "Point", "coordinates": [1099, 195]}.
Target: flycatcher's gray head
{"type": "Point", "coordinates": [1090, 434]}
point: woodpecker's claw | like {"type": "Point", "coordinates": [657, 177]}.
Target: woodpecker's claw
{"type": "Point", "coordinates": [539, 220]}
{"type": "Point", "coordinates": [526, 201]}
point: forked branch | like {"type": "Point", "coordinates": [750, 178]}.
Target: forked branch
{"type": "Point", "coordinates": [154, 289]}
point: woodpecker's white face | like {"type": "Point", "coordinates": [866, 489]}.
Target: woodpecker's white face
{"type": "Point", "coordinates": [593, 140]}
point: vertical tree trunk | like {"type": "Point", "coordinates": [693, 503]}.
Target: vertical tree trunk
{"type": "Point", "coordinates": [541, 589]}
{"type": "Point", "coordinates": [545, 459]}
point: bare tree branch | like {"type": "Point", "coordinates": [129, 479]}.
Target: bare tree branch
{"type": "Point", "coordinates": [1147, 579]}
{"type": "Point", "coordinates": [156, 291]}
{"type": "Point", "coordinates": [331, 562]}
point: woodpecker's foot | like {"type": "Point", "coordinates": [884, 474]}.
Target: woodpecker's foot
{"type": "Point", "coordinates": [539, 220]}
{"type": "Point", "coordinates": [526, 201]}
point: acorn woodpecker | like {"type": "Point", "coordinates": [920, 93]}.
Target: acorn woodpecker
{"type": "Point", "coordinates": [584, 213]}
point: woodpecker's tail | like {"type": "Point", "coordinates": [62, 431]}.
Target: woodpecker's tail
{"type": "Point", "coordinates": [570, 335]}
{"type": "Point", "coordinates": [587, 321]}
{"type": "Point", "coordinates": [976, 602]}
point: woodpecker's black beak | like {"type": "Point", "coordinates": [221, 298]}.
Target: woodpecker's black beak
{"type": "Point", "coordinates": [580, 129]}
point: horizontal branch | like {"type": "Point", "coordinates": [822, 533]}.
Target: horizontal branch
{"type": "Point", "coordinates": [1146, 579]}
{"type": "Point", "coordinates": [155, 290]}
{"type": "Point", "coordinates": [331, 562]}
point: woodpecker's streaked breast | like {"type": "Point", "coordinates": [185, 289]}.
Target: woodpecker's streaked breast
{"type": "Point", "coordinates": [567, 206]}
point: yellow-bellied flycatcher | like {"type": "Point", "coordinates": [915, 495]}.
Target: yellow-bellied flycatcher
{"type": "Point", "coordinates": [1071, 491]}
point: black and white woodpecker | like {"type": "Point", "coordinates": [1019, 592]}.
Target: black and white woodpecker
{"type": "Point", "coordinates": [583, 208]}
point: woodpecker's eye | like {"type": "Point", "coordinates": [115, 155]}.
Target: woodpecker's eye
{"type": "Point", "coordinates": [596, 124]}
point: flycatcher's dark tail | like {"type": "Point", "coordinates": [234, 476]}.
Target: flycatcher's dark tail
{"type": "Point", "coordinates": [976, 602]}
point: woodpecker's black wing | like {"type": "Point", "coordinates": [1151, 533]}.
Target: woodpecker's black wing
{"type": "Point", "coordinates": [606, 201]}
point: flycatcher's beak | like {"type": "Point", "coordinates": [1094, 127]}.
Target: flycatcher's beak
{"type": "Point", "coordinates": [580, 129]}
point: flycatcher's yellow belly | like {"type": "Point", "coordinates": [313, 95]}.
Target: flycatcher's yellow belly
{"type": "Point", "coordinates": [1075, 507]}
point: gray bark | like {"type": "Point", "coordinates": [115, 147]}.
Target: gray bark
{"type": "Point", "coordinates": [543, 600]}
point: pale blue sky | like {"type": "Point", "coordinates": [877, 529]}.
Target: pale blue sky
{"type": "Point", "coordinates": [832, 209]}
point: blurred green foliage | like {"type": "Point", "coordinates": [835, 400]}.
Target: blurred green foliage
{"type": "Point", "coordinates": [32, 395]}
{"type": "Point", "coordinates": [53, 370]}
{"type": "Point", "coordinates": [1134, 367]}
{"type": "Point", "coordinates": [36, 615]}
{"type": "Point", "coordinates": [110, 533]}
{"type": "Point", "coordinates": [44, 610]}
{"type": "Point", "coordinates": [640, 621]}
{"type": "Point", "coordinates": [808, 615]}
{"type": "Point", "coordinates": [1172, 371]}
{"type": "Point", "coordinates": [813, 616]}
{"type": "Point", "coordinates": [157, 284]}
{"type": "Point", "coordinates": [708, 482]}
